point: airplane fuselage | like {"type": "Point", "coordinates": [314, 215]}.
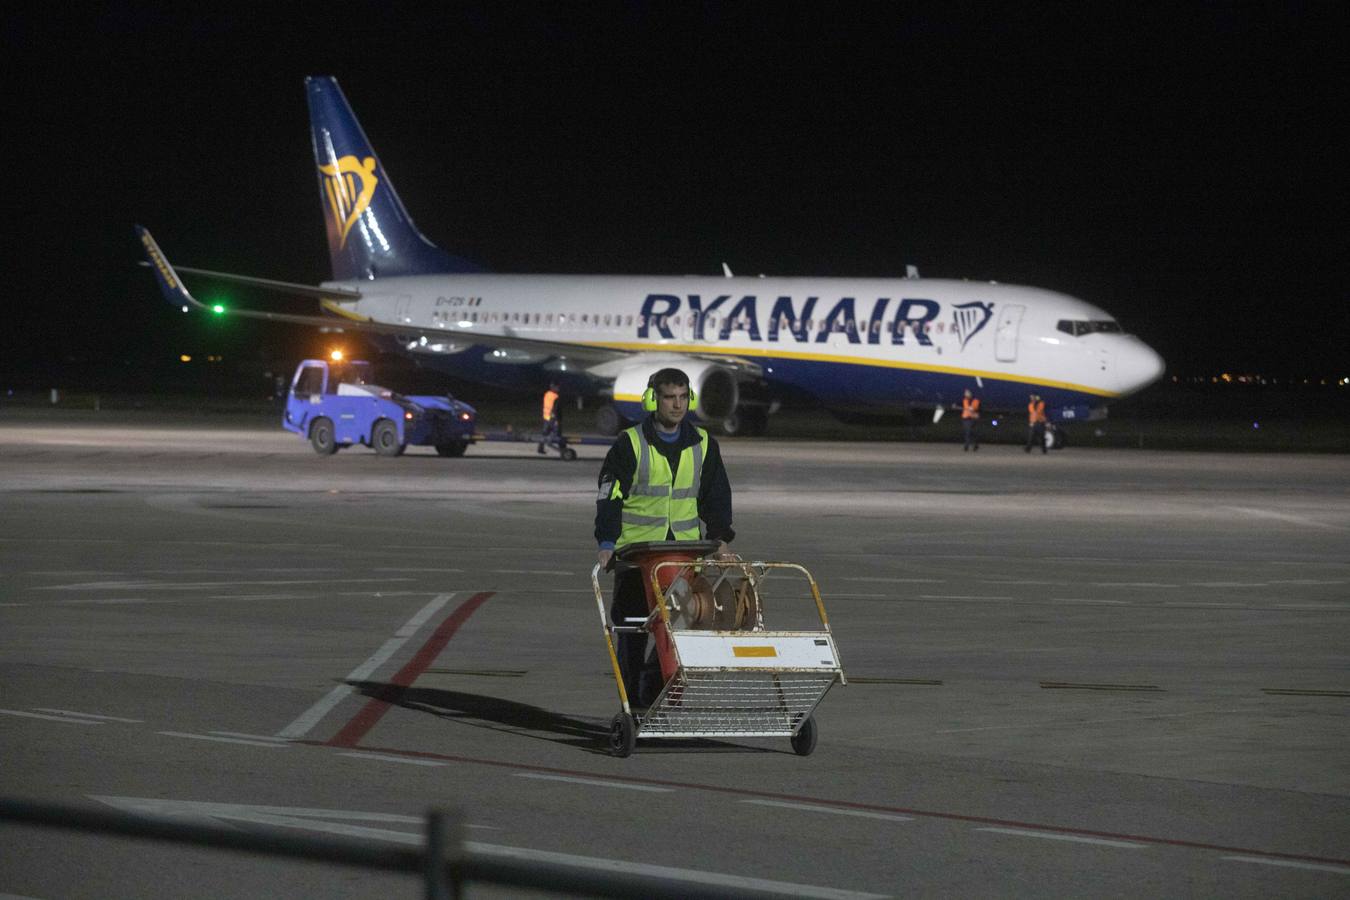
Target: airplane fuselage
{"type": "Point", "coordinates": [866, 345]}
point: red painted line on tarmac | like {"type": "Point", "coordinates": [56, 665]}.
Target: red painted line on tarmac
{"type": "Point", "coordinates": [370, 714]}
{"type": "Point", "coordinates": [847, 804]}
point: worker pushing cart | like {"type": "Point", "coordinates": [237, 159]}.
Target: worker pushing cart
{"type": "Point", "coordinates": [661, 482]}
{"type": "Point", "coordinates": [724, 672]}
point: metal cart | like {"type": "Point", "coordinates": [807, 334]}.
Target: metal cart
{"type": "Point", "coordinates": [724, 672]}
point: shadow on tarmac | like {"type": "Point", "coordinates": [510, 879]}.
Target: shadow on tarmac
{"type": "Point", "coordinates": [482, 711]}
{"type": "Point", "coordinates": [497, 714]}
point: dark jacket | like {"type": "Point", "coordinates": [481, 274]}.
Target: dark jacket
{"type": "Point", "coordinates": [714, 495]}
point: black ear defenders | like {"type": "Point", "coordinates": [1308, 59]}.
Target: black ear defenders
{"type": "Point", "coordinates": [649, 396]}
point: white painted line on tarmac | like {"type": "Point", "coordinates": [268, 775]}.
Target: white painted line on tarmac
{"type": "Point", "coordinates": [1317, 606]}
{"type": "Point", "coordinates": [598, 782]}
{"type": "Point", "coordinates": [1075, 838]}
{"type": "Point", "coordinates": [222, 740]}
{"type": "Point", "coordinates": [13, 604]}
{"type": "Point", "coordinates": [815, 807]}
{"type": "Point", "coordinates": [530, 572]}
{"type": "Point", "coordinates": [1197, 604]}
{"type": "Point", "coordinates": [1134, 584]}
{"type": "Point", "coordinates": [1020, 581]}
{"type": "Point", "coordinates": [1105, 559]}
{"type": "Point", "coordinates": [266, 596]}
{"type": "Point", "coordinates": [897, 580]}
{"type": "Point", "coordinates": [960, 597]}
{"type": "Point", "coordinates": [423, 615]}
{"type": "Point", "coordinates": [112, 601]}
{"type": "Point", "coordinates": [1290, 864]}
{"type": "Point", "coordinates": [67, 719]}
{"type": "Point", "coordinates": [1307, 581]}
{"type": "Point", "coordinates": [244, 812]}
{"type": "Point", "coordinates": [384, 757]}
{"type": "Point", "coordinates": [414, 569]}
{"type": "Point", "coordinates": [71, 712]}
{"type": "Point", "coordinates": [1092, 601]}
{"type": "Point", "coordinates": [311, 717]}
{"type": "Point", "coordinates": [1282, 517]}
{"type": "Point", "coordinates": [255, 737]}
{"type": "Point", "coordinates": [693, 877]}
{"type": "Point", "coordinates": [200, 585]}
{"type": "Point", "coordinates": [1077, 722]}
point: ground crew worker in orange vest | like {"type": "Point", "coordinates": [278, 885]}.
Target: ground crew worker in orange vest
{"type": "Point", "coordinates": [552, 422]}
{"type": "Point", "coordinates": [970, 417]}
{"type": "Point", "coordinates": [1036, 423]}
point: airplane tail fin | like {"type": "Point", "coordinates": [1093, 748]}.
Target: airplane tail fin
{"type": "Point", "coordinates": [370, 234]}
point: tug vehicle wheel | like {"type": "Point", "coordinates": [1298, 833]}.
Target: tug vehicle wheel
{"type": "Point", "coordinates": [384, 438]}
{"type": "Point", "coordinates": [569, 454]}
{"type": "Point", "coordinates": [321, 437]}
{"type": "Point", "coordinates": [455, 448]}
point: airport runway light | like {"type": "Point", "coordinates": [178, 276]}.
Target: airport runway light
{"type": "Point", "coordinates": [184, 358]}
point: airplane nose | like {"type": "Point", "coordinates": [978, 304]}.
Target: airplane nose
{"type": "Point", "coordinates": [1138, 367]}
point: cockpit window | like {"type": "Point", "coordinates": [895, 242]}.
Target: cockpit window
{"type": "Point", "coordinates": [1078, 328]}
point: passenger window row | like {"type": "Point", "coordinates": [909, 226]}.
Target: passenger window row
{"type": "Point", "coordinates": [710, 323]}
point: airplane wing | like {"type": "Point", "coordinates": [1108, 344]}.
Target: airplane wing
{"type": "Point", "coordinates": [285, 287]}
{"type": "Point", "coordinates": [174, 291]}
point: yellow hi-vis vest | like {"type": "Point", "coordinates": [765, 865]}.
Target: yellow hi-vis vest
{"type": "Point", "coordinates": [656, 503]}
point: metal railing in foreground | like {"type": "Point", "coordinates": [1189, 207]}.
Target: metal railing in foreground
{"type": "Point", "coordinates": [443, 861]}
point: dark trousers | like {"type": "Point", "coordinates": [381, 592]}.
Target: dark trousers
{"type": "Point", "coordinates": [640, 682]}
{"type": "Point", "coordinates": [968, 431]}
{"type": "Point", "coordinates": [1036, 436]}
{"type": "Point", "coordinates": [552, 435]}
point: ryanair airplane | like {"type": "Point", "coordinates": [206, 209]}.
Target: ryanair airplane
{"type": "Point", "coordinates": [865, 348]}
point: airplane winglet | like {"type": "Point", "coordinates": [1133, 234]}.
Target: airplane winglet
{"type": "Point", "coordinates": [170, 285]}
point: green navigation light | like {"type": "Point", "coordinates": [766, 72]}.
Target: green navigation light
{"type": "Point", "coordinates": [218, 309]}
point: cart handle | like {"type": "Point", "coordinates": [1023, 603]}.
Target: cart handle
{"type": "Point", "coordinates": [608, 628]}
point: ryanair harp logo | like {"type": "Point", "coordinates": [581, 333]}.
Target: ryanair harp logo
{"type": "Point", "coordinates": [349, 184]}
{"type": "Point", "coordinates": [969, 318]}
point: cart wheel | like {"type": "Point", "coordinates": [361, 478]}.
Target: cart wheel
{"type": "Point", "coordinates": [569, 454]}
{"type": "Point", "coordinates": [804, 741]}
{"type": "Point", "coordinates": [622, 735]}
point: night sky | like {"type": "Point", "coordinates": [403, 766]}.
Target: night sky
{"type": "Point", "coordinates": [1181, 165]}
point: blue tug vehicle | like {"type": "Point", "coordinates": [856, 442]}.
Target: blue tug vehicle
{"type": "Point", "coordinates": [334, 405]}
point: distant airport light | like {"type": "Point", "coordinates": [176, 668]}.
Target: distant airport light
{"type": "Point", "coordinates": [185, 307]}
{"type": "Point", "coordinates": [335, 356]}
{"type": "Point", "coordinates": [1256, 425]}
{"type": "Point", "coordinates": [184, 358]}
